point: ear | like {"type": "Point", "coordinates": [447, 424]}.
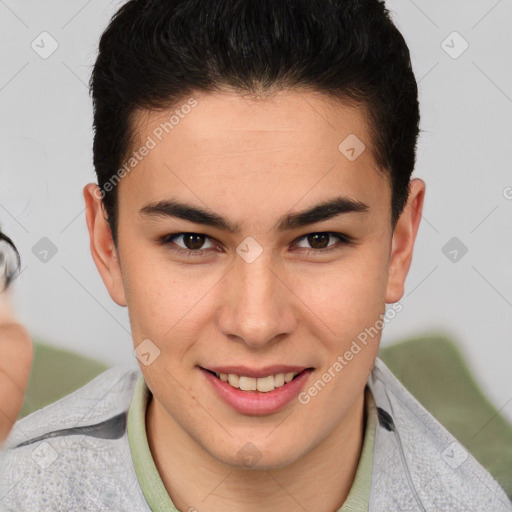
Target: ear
{"type": "Point", "coordinates": [402, 245]}
{"type": "Point", "coordinates": [103, 250]}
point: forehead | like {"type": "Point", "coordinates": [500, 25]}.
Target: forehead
{"type": "Point", "coordinates": [288, 145]}
{"type": "Point", "coordinates": [264, 122]}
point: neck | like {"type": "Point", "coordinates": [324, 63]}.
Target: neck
{"type": "Point", "coordinates": [195, 480]}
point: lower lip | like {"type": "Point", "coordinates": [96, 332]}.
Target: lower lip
{"type": "Point", "coordinates": [256, 402]}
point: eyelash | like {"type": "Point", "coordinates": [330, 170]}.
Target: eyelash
{"type": "Point", "coordinates": [344, 240]}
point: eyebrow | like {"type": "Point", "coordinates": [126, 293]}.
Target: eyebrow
{"type": "Point", "coordinates": [320, 212]}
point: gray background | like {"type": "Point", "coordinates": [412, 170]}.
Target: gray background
{"type": "Point", "coordinates": [463, 156]}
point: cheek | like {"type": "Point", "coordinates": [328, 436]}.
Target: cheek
{"type": "Point", "coordinates": [166, 305]}
{"type": "Point", "coordinates": [352, 302]}
{"type": "Point", "coordinates": [148, 294]}
{"type": "Point", "coordinates": [348, 295]}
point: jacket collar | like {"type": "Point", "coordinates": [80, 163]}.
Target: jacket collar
{"type": "Point", "coordinates": [417, 464]}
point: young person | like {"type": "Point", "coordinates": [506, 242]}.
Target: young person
{"type": "Point", "coordinates": [255, 212]}
{"type": "Point", "coordinates": [15, 343]}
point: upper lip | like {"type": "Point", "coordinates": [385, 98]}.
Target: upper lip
{"type": "Point", "coordinates": [257, 372]}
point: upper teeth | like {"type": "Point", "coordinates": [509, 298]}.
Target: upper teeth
{"type": "Point", "coordinates": [263, 384]}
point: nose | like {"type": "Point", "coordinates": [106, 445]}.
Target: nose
{"type": "Point", "coordinates": [257, 307]}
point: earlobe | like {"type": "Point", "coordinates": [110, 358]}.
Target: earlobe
{"type": "Point", "coordinates": [404, 236]}
{"type": "Point", "coordinates": [103, 250]}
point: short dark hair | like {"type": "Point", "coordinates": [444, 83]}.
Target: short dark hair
{"type": "Point", "coordinates": [156, 52]}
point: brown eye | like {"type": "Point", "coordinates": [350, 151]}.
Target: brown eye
{"type": "Point", "coordinates": [193, 241]}
{"type": "Point", "coordinates": [319, 240]}
{"type": "Point", "coordinates": [323, 242]}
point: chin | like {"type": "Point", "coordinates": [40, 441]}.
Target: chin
{"type": "Point", "coordinates": [259, 456]}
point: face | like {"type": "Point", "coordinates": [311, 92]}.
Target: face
{"type": "Point", "coordinates": [230, 261]}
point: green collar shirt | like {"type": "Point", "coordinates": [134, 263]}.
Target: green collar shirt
{"type": "Point", "coordinates": [156, 494]}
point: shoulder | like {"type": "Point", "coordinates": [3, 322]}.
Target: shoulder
{"type": "Point", "coordinates": [105, 396]}
{"type": "Point", "coordinates": [74, 454]}
{"type": "Point", "coordinates": [417, 457]}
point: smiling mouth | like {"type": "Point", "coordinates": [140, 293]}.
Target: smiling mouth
{"type": "Point", "coordinates": [261, 384]}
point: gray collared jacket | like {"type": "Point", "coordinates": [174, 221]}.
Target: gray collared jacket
{"type": "Point", "coordinates": [73, 455]}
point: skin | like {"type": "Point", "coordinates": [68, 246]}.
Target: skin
{"type": "Point", "coordinates": [253, 160]}
{"type": "Point", "coordinates": [16, 359]}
